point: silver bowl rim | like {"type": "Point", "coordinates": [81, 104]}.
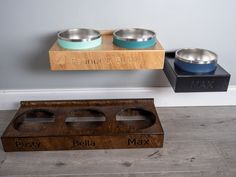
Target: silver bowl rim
{"type": "Point", "coordinates": [138, 39]}
{"type": "Point", "coordinates": [78, 40]}
{"type": "Point", "coordinates": [186, 60]}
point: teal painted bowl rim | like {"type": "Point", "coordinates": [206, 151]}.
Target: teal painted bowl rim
{"type": "Point", "coordinates": [79, 38]}
{"type": "Point", "coordinates": [134, 38]}
{"type": "Point", "coordinates": [134, 44]}
{"type": "Point", "coordinates": [79, 45]}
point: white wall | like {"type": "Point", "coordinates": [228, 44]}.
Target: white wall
{"type": "Point", "coordinates": [28, 29]}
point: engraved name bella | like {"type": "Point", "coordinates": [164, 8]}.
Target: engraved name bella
{"type": "Point", "coordinates": [83, 143]}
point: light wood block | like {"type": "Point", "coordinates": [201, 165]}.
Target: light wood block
{"type": "Point", "coordinates": [106, 57]}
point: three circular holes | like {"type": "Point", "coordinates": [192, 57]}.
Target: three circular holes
{"type": "Point", "coordinates": [126, 119]}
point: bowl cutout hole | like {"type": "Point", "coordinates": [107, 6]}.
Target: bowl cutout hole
{"type": "Point", "coordinates": [85, 118]}
{"type": "Point", "coordinates": [34, 120]}
{"type": "Point", "coordinates": [135, 118]}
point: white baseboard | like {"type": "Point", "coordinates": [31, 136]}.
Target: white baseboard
{"type": "Point", "coordinates": [164, 96]}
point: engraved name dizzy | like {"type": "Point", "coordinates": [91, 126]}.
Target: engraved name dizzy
{"type": "Point", "coordinates": [27, 144]}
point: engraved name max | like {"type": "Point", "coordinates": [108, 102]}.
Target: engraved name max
{"type": "Point", "coordinates": [135, 141]}
{"type": "Point", "coordinates": [204, 84]}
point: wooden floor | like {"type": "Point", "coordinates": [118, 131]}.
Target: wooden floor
{"type": "Point", "coordinates": [199, 142]}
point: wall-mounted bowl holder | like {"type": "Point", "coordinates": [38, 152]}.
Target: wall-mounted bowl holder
{"type": "Point", "coordinates": [184, 81]}
{"type": "Point", "coordinates": [144, 52]}
{"type": "Point", "coordinates": [85, 124]}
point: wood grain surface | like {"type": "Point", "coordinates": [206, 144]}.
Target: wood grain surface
{"type": "Point", "coordinates": [84, 124]}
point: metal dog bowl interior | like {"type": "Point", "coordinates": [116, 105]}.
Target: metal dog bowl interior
{"type": "Point", "coordinates": [196, 56]}
{"type": "Point", "coordinates": [76, 39]}
{"type": "Point", "coordinates": [134, 34]}
{"type": "Point", "coordinates": [79, 35]}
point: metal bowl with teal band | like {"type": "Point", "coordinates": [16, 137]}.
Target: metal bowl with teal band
{"type": "Point", "coordinates": [196, 60]}
{"type": "Point", "coordinates": [79, 38]}
{"type": "Point", "coordinates": [134, 38]}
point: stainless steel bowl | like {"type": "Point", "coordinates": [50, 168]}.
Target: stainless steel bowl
{"type": "Point", "coordinates": [134, 34]}
{"type": "Point", "coordinates": [196, 56]}
{"type": "Point", "coordinates": [79, 35]}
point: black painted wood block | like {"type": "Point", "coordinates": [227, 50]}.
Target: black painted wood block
{"type": "Point", "coordinates": [182, 81]}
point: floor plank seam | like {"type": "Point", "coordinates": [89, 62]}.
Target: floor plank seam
{"type": "Point", "coordinates": [94, 174]}
{"type": "Point", "coordinates": [221, 154]}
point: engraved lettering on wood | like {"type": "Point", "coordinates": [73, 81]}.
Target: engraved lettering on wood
{"type": "Point", "coordinates": [83, 143]}
{"type": "Point", "coordinates": [60, 60]}
{"type": "Point", "coordinates": [135, 142]}
{"type": "Point", "coordinates": [27, 143]}
{"type": "Point", "coordinates": [75, 60]}
{"type": "Point", "coordinates": [202, 84]}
